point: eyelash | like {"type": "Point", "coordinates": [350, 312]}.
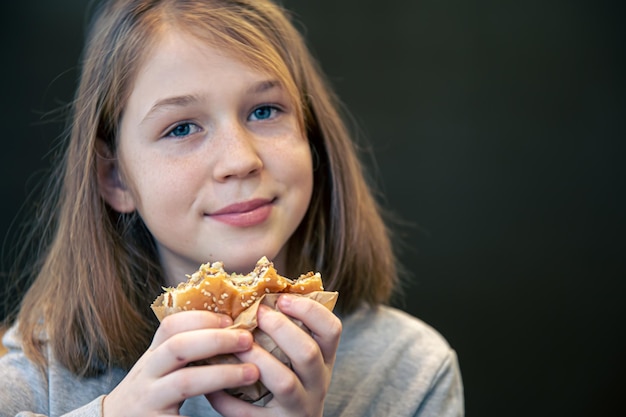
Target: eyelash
{"type": "Point", "coordinates": [170, 133]}
{"type": "Point", "coordinates": [273, 109]}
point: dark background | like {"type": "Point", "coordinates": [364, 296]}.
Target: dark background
{"type": "Point", "coordinates": [498, 131]}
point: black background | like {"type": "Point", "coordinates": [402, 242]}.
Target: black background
{"type": "Point", "coordinates": [498, 131]}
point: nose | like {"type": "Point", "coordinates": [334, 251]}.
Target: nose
{"type": "Point", "coordinates": [237, 153]}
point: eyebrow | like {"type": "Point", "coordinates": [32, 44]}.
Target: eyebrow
{"type": "Point", "coordinates": [177, 101]}
{"type": "Point", "coordinates": [264, 86]}
{"type": "Point", "coordinates": [190, 99]}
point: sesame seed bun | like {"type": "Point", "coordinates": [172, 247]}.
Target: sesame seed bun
{"type": "Point", "coordinates": [212, 288]}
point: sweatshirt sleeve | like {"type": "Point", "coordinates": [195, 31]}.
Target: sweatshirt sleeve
{"type": "Point", "coordinates": [392, 364]}
{"type": "Point", "coordinates": [27, 391]}
{"type": "Point", "coordinates": [445, 397]}
{"type": "Point", "coordinates": [23, 387]}
{"type": "Point", "coordinates": [93, 409]}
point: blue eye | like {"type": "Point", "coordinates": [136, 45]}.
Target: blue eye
{"type": "Point", "coordinates": [182, 130]}
{"type": "Point", "coordinates": [263, 113]}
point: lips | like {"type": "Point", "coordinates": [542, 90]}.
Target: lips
{"type": "Point", "coordinates": [244, 214]}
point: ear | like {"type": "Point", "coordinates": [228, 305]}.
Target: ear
{"type": "Point", "coordinates": [110, 184]}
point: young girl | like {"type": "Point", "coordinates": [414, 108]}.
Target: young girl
{"type": "Point", "coordinates": [202, 130]}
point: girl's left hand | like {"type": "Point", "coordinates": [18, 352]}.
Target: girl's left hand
{"type": "Point", "coordinates": [301, 391]}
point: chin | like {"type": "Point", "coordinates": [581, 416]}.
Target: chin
{"type": "Point", "coordinates": [243, 264]}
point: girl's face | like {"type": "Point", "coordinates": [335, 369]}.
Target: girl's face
{"type": "Point", "coordinates": [212, 158]}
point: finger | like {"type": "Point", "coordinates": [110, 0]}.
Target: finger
{"type": "Point", "coordinates": [190, 346]}
{"type": "Point", "coordinates": [199, 380]}
{"type": "Point", "coordinates": [186, 321]}
{"type": "Point", "coordinates": [323, 324]}
{"type": "Point", "coordinates": [227, 405]}
{"type": "Point", "coordinates": [310, 361]}
{"type": "Point", "coordinates": [282, 382]}
{"type": "Point", "coordinates": [294, 341]}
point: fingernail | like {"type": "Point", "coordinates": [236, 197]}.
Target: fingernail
{"type": "Point", "coordinates": [285, 300]}
{"type": "Point", "coordinates": [262, 310]}
{"type": "Point", "coordinates": [245, 339]}
{"type": "Point", "coordinates": [249, 373]}
{"type": "Point", "coordinates": [225, 321]}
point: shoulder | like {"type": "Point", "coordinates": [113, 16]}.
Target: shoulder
{"type": "Point", "coordinates": [50, 391]}
{"type": "Point", "coordinates": [385, 325]}
{"type": "Point", "coordinates": [23, 385]}
{"type": "Point", "coordinates": [392, 363]}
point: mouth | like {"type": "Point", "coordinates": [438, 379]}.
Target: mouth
{"type": "Point", "coordinates": [244, 214]}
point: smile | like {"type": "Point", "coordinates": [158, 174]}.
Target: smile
{"type": "Point", "coordinates": [244, 214]}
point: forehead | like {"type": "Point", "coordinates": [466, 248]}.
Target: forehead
{"type": "Point", "coordinates": [180, 61]}
{"type": "Point", "coordinates": [256, 52]}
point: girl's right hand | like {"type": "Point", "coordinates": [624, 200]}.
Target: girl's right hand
{"type": "Point", "coordinates": [160, 381]}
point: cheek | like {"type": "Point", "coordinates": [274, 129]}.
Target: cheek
{"type": "Point", "coordinates": [295, 156]}
{"type": "Point", "coordinates": [158, 184]}
{"type": "Point", "coordinates": [297, 169]}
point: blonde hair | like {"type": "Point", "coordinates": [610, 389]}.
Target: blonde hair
{"type": "Point", "coordinates": [98, 271]}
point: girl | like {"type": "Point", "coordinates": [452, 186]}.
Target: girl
{"type": "Point", "coordinates": [202, 130]}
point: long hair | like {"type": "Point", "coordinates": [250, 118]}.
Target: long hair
{"type": "Point", "coordinates": [97, 270]}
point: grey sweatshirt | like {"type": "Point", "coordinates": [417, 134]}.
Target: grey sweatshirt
{"type": "Point", "coordinates": [388, 364]}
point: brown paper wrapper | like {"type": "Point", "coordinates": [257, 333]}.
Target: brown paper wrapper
{"type": "Point", "coordinates": [247, 321]}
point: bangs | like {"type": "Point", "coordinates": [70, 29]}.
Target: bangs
{"type": "Point", "coordinates": [250, 33]}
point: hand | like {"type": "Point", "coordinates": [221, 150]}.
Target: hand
{"type": "Point", "coordinates": [301, 391]}
{"type": "Point", "coordinates": [160, 381]}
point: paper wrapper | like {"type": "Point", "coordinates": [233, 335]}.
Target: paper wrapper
{"type": "Point", "coordinates": [247, 321]}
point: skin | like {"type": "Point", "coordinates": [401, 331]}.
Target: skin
{"type": "Point", "coordinates": [200, 132]}
{"type": "Point", "coordinates": [211, 157]}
